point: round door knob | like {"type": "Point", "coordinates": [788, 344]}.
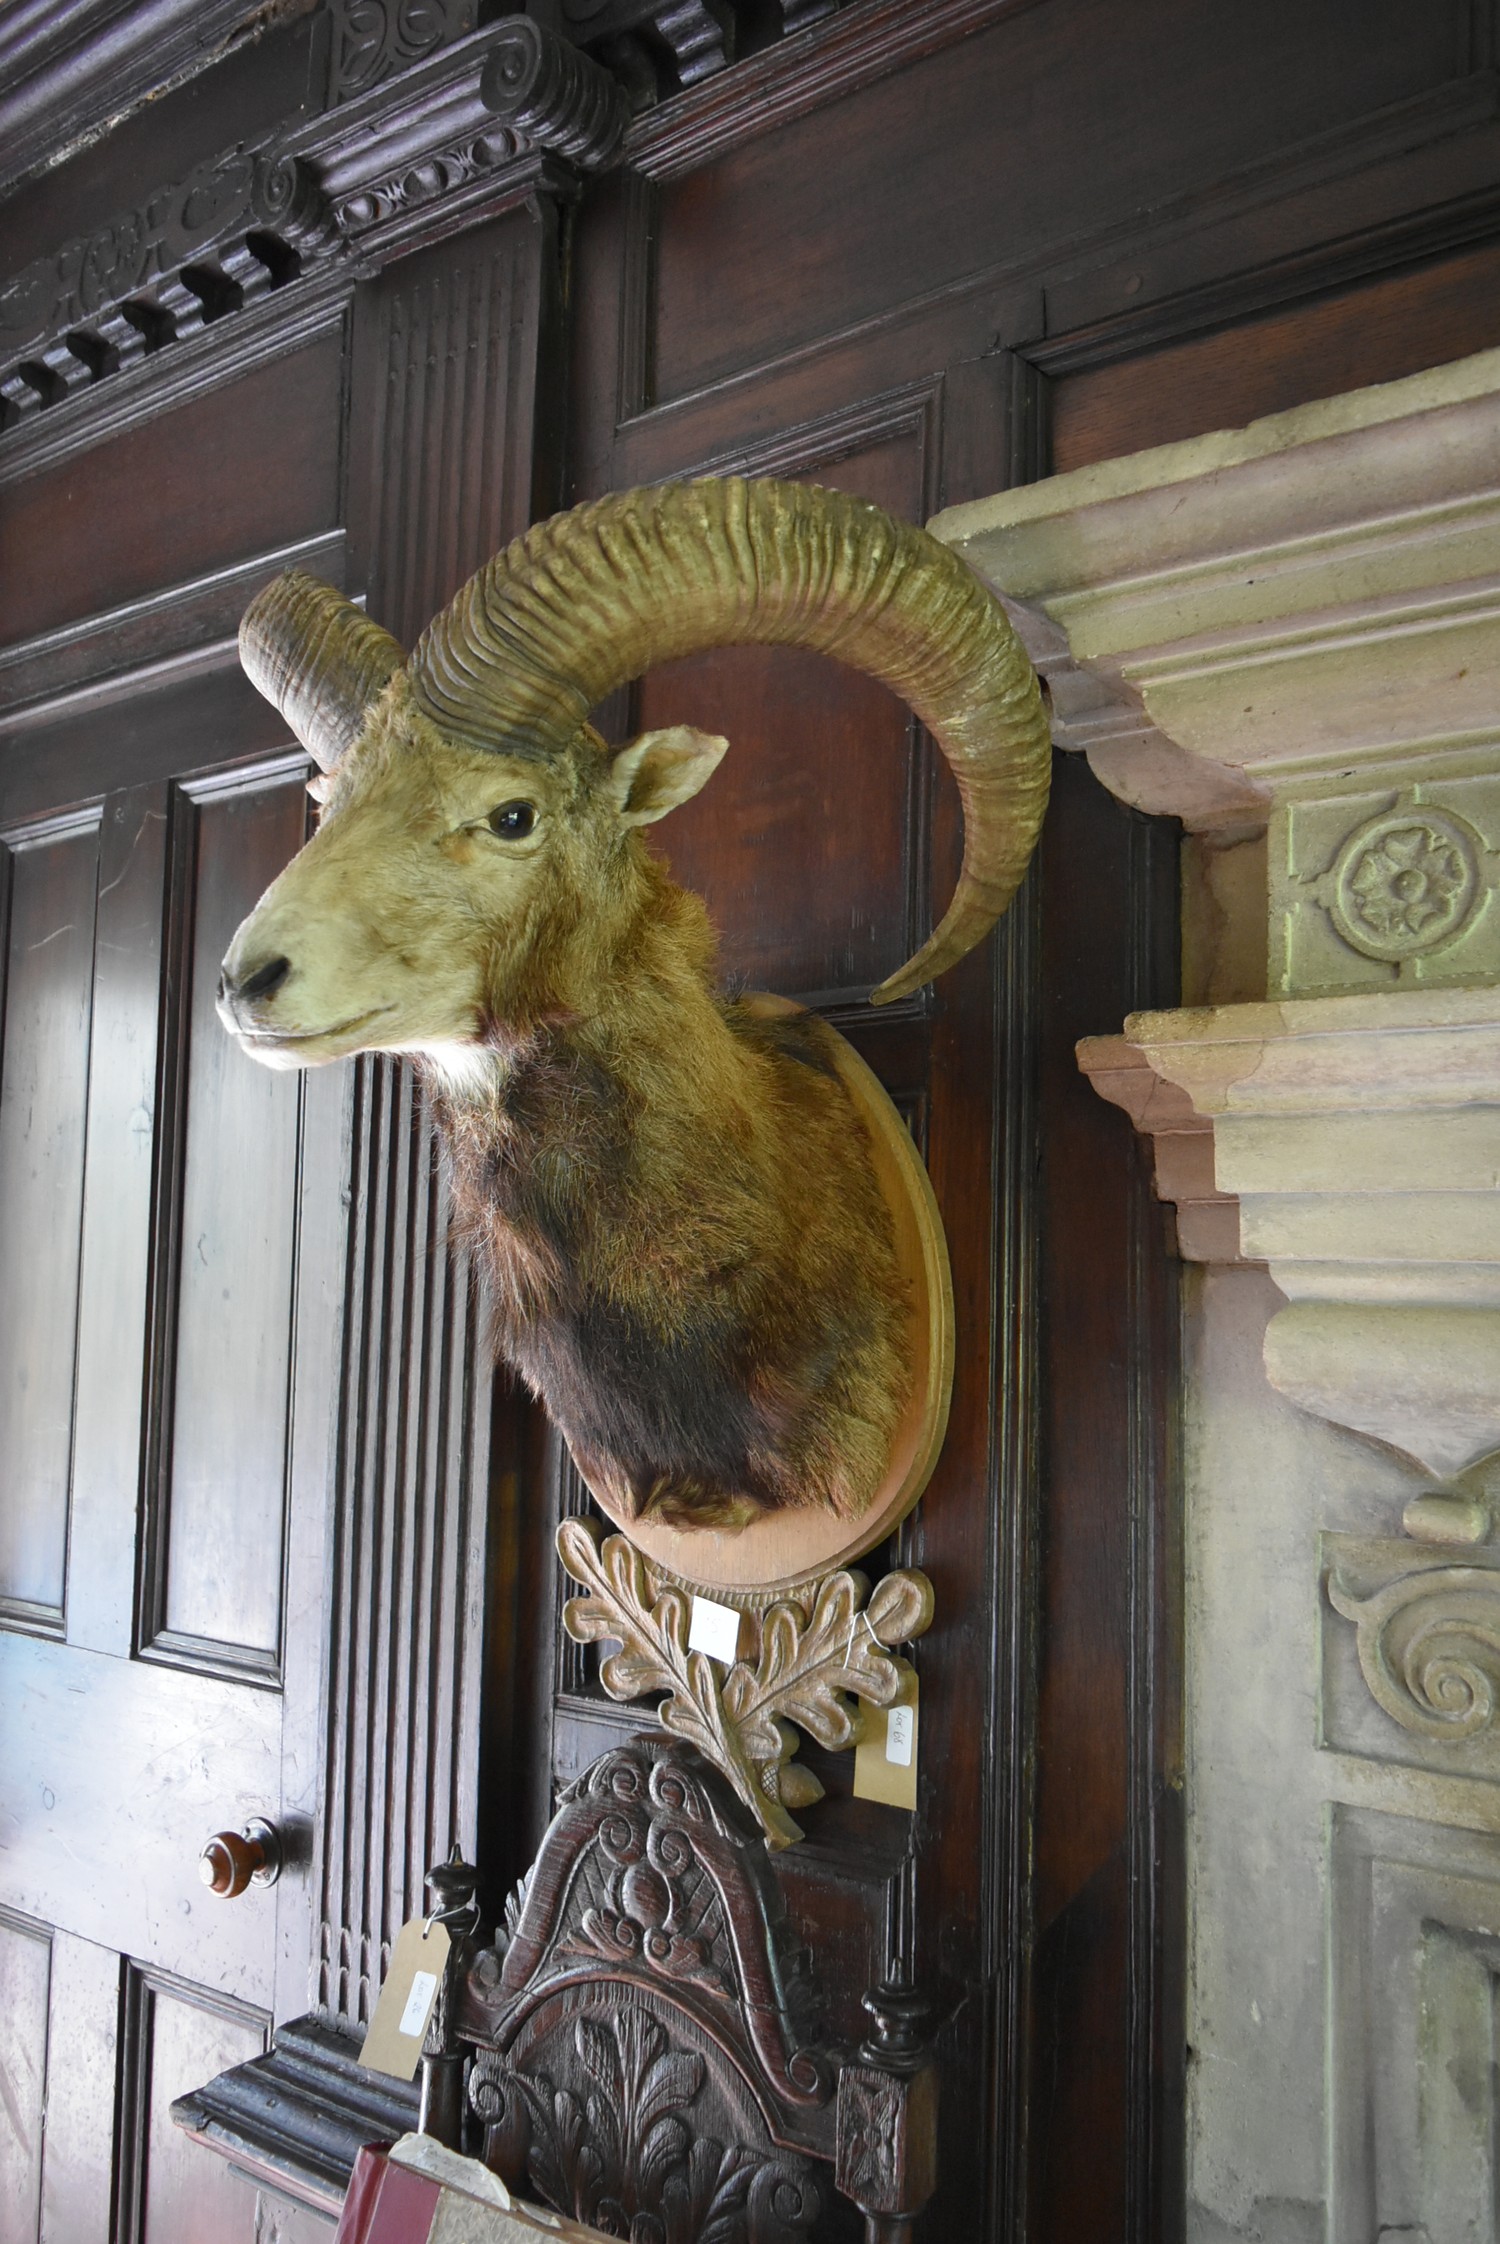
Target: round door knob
{"type": "Point", "coordinates": [233, 1860]}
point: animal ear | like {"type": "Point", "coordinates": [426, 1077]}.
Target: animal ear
{"type": "Point", "coordinates": [662, 769]}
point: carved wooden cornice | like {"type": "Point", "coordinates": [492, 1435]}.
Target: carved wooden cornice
{"type": "Point", "coordinates": [424, 117]}
{"type": "Point", "coordinates": [489, 115]}
{"type": "Point", "coordinates": [67, 67]}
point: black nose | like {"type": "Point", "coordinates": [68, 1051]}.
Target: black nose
{"type": "Point", "coordinates": [264, 981]}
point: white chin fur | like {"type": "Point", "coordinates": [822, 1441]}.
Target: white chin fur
{"type": "Point", "coordinates": [464, 1070]}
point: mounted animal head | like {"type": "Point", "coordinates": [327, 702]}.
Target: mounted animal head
{"type": "Point", "coordinates": [472, 869]}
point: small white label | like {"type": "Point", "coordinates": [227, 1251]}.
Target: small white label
{"type": "Point", "coordinates": [714, 1629]}
{"type": "Point", "coordinates": [418, 2003]}
{"type": "Point", "coordinates": [900, 1727]}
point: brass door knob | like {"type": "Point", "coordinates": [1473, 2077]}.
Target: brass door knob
{"type": "Point", "coordinates": [233, 1860]}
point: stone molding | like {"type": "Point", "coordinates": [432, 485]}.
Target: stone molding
{"type": "Point", "coordinates": [1293, 627]}
{"type": "Point", "coordinates": [1360, 1139]}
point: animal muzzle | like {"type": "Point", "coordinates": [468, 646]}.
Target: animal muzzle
{"type": "Point", "coordinates": [247, 992]}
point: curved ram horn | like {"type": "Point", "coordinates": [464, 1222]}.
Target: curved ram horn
{"type": "Point", "coordinates": [318, 658]}
{"type": "Point", "coordinates": [592, 598]}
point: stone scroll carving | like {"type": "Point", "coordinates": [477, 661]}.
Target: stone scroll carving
{"type": "Point", "coordinates": [1429, 1647]}
{"type": "Point", "coordinates": [813, 1655]}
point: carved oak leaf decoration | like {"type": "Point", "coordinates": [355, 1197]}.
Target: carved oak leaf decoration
{"type": "Point", "coordinates": [816, 1655]}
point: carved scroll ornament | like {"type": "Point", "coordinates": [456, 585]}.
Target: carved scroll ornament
{"type": "Point", "coordinates": [1429, 1647]}
{"type": "Point", "coordinates": [813, 1655]}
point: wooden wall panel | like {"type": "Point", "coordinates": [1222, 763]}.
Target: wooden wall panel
{"type": "Point", "coordinates": [407, 1608]}
{"type": "Point", "coordinates": [251, 465]}
{"type": "Point", "coordinates": [177, 2036]}
{"type": "Point", "coordinates": [1396, 325]}
{"type": "Point", "coordinates": [450, 391]}
{"type": "Point", "coordinates": [815, 799]}
{"type": "Point", "coordinates": [226, 1254]}
{"type": "Point", "coordinates": [25, 1973]}
{"type": "Point", "coordinates": [958, 163]}
{"type": "Point", "coordinates": [43, 1104]}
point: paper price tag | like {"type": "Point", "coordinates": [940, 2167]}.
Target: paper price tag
{"type": "Point", "coordinates": [394, 2042]}
{"type": "Point", "coordinates": [885, 1759]}
{"type": "Point", "coordinates": [419, 2004]}
{"type": "Point", "coordinates": [714, 1629]}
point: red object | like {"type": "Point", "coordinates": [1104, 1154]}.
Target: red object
{"type": "Point", "coordinates": [386, 2204]}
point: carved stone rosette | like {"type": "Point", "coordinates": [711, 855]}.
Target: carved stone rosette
{"type": "Point", "coordinates": [812, 1655]}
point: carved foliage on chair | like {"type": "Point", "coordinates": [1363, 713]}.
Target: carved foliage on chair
{"type": "Point", "coordinates": [614, 2131]}
{"type": "Point", "coordinates": [652, 1873]}
{"type": "Point", "coordinates": [644, 2060]}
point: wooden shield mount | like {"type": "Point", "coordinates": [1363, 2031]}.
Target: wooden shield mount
{"type": "Point", "coordinates": [813, 1641]}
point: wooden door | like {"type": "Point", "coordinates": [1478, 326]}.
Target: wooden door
{"type": "Point", "coordinates": [170, 1280]}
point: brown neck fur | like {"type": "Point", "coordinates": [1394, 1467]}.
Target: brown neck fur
{"type": "Point", "coordinates": [689, 1256]}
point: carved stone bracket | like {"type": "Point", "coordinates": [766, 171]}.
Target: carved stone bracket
{"type": "Point", "coordinates": [1288, 629]}
{"type": "Point", "coordinates": [809, 1657]}
{"type": "Point", "coordinates": [1360, 1138]}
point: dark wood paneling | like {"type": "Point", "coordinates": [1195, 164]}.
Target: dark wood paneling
{"type": "Point", "coordinates": [224, 1261]}
{"type": "Point", "coordinates": [407, 1617]}
{"type": "Point", "coordinates": [43, 1103]}
{"type": "Point", "coordinates": [173, 720]}
{"type": "Point", "coordinates": [109, 1408]}
{"type": "Point", "coordinates": [179, 620]}
{"type": "Point", "coordinates": [25, 1973]}
{"type": "Point", "coordinates": [1107, 2049]}
{"type": "Point", "coordinates": [176, 2035]}
{"type": "Point", "coordinates": [893, 221]}
{"type": "Point", "coordinates": [113, 1773]}
{"type": "Point", "coordinates": [454, 390]}
{"type": "Point", "coordinates": [452, 414]}
{"type": "Point", "coordinates": [816, 796]}
{"type": "Point", "coordinates": [1375, 333]}
{"type": "Point", "coordinates": [251, 465]}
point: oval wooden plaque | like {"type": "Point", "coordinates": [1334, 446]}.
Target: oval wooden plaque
{"type": "Point", "coordinates": [778, 1551]}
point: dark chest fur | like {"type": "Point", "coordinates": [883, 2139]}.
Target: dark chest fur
{"type": "Point", "coordinates": [694, 1398]}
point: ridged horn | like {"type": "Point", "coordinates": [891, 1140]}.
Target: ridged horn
{"type": "Point", "coordinates": [592, 598]}
{"type": "Point", "coordinates": [318, 658]}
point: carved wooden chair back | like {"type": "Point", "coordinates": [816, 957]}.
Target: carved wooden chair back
{"type": "Point", "coordinates": [645, 2028]}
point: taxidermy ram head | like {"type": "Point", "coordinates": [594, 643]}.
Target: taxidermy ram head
{"type": "Point", "coordinates": [690, 1261]}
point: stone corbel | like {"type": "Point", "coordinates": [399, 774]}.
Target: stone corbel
{"type": "Point", "coordinates": [1355, 1151]}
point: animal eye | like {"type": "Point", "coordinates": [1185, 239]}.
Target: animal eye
{"type": "Point", "coordinates": [512, 821]}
